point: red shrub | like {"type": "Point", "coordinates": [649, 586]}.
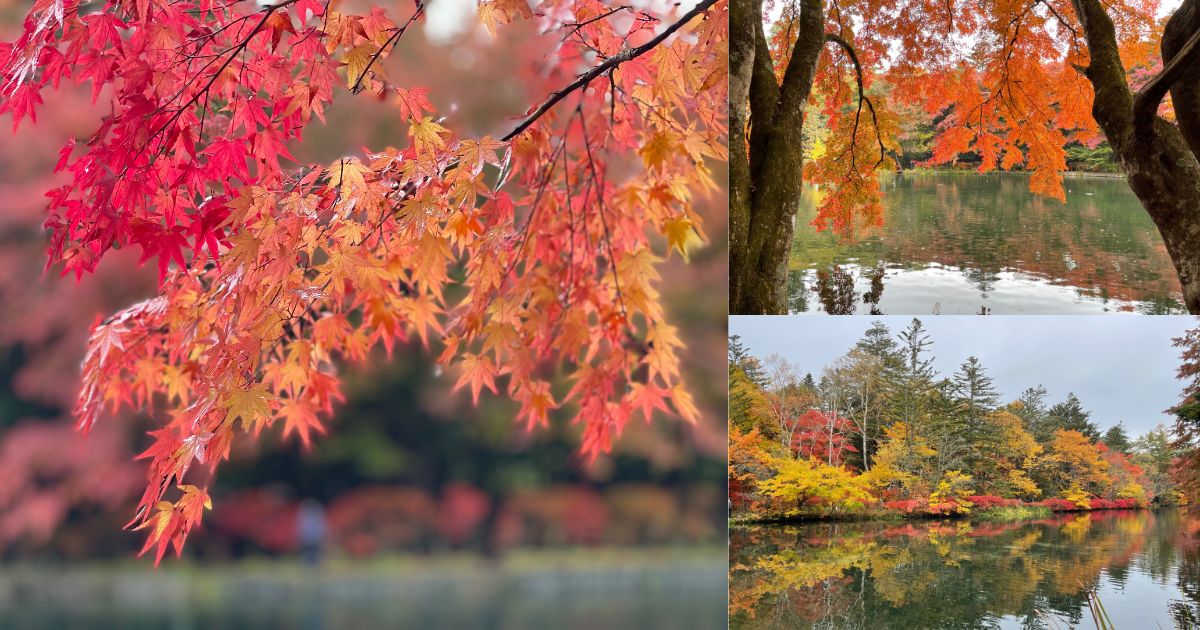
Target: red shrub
{"type": "Point", "coordinates": [947, 507]}
{"type": "Point", "coordinates": [1059, 505]}
{"type": "Point", "coordinates": [905, 505]}
{"type": "Point", "coordinates": [985, 501]}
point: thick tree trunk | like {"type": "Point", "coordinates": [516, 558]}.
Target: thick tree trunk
{"type": "Point", "coordinates": [765, 168]}
{"type": "Point", "coordinates": [1185, 92]}
{"type": "Point", "coordinates": [1165, 176]}
{"type": "Point", "coordinates": [1158, 158]}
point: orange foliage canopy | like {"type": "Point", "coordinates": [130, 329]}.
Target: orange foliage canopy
{"type": "Point", "coordinates": [1002, 79]}
{"type": "Point", "coordinates": [519, 255]}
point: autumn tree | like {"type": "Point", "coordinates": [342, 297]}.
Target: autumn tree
{"type": "Point", "coordinates": [520, 257]}
{"type": "Point", "coordinates": [1071, 460]}
{"type": "Point", "coordinates": [1003, 464]}
{"type": "Point", "coordinates": [1014, 83]}
{"type": "Point", "coordinates": [1186, 432]}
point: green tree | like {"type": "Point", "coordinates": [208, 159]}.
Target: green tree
{"type": "Point", "coordinates": [1031, 408]}
{"type": "Point", "coordinates": [1155, 453]}
{"type": "Point", "coordinates": [1117, 439]}
{"type": "Point", "coordinates": [975, 397]}
{"type": "Point", "coordinates": [1069, 415]}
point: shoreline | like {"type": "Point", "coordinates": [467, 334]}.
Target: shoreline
{"type": "Point", "coordinates": [1013, 513]}
{"type": "Point", "coordinates": [964, 171]}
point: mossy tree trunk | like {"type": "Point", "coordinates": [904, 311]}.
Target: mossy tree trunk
{"type": "Point", "coordinates": [766, 118]}
{"type": "Point", "coordinates": [1159, 158]}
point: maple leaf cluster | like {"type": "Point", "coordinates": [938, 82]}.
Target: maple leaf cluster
{"type": "Point", "coordinates": [530, 259]}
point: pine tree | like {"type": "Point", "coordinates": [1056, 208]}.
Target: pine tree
{"type": "Point", "coordinates": [1117, 439]}
{"type": "Point", "coordinates": [1070, 415]}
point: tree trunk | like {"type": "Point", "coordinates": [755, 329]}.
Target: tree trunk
{"type": "Point", "coordinates": [765, 167]}
{"type": "Point", "coordinates": [1158, 158]}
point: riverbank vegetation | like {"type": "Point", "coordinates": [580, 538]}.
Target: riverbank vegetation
{"type": "Point", "coordinates": [881, 432]}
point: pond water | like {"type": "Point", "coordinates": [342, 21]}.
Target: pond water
{"type": "Point", "coordinates": [1143, 565]}
{"type": "Point", "coordinates": [666, 591]}
{"type": "Point", "coordinates": [982, 243]}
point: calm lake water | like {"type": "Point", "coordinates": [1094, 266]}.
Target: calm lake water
{"type": "Point", "coordinates": [1144, 565]}
{"type": "Point", "coordinates": [970, 243]}
{"type": "Point", "coordinates": [675, 590]}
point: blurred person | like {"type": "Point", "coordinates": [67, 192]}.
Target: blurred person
{"type": "Point", "coordinates": [311, 531]}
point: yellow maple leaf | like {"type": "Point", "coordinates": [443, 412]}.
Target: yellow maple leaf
{"type": "Point", "coordinates": [426, 134]}
{"type": "Point", "coordinates": [680, 233]}
{"type": "Point", "coordinates": [348, 174]}
{"type": "Point", "coordinates": [252, 405]}
{"type": "Point", "coordinates": [357, 60]}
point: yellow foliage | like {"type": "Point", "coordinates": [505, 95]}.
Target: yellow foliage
{"type": "Point", "coordinates": [954, 486]}
{"type": "Point", "coordinates": [801, 481]}
{"type": "Point", "coordinates": [1078, 496]}
{"type": "Point", "coordinates": [902, 461]}
{"type": "Point", "coordinates": [1132, 490]}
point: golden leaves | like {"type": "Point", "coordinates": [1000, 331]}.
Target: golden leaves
{"type": "Point", "coordinates": [357, 59]}
{"type": "Point", "coordinates": [252, 404]}
{"type": "Point", "coordinates": [680, 233]}
{"type": "Point", "coordinates": [427, 135]}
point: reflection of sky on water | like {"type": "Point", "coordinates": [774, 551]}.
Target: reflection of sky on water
{"type": "Point", "coordinates": [1152, 600]}
{"type": "Point", "coordinates": [945, 290]}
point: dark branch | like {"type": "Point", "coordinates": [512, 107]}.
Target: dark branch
{"type": "Point", "coordinates": [610, 63]}
{"type": "Point", "coordinates": [862, 97]}
{"type": "Point", "coordinates": [357, 87]}
{"type": "Point", "coordinates": [1147, 99]}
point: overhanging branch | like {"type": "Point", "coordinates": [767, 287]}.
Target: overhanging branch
{"type": "Point", "coordinates": [609, 64]}
{"type": "Point", "coordinates": [862, 97]}
{"type": "Point", "coordinates": [1147, 99]}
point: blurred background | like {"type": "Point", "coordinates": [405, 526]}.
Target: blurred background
{"type": "Point", "coordinates": [415, 509]}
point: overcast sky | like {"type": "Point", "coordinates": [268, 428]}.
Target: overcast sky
{"type": "Point", "coordinates": [1122, 368]}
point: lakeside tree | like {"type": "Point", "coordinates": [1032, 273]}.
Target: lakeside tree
{"type": "Point", "coordinates": [1101, 71]}
{"type": "Point", "coordinates": [523, 257]}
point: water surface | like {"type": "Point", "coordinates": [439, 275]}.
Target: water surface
{"type": "Point", "coordinates": [971, 243]}
{"type": "Point", "coordinates": [1145, 567]}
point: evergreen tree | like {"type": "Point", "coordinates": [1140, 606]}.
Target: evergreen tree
{"type": "Point", "coordinates": [1069, 415]}
{"type": "Point", "coordinates": [975, 397]}
{"type": "Point", "coordinates": [1116, 439]}
{"type": "Point", "coordinates": [912, 382]}
{"type": "Point", "coordinates": [740, 358]}
{"type": "Point", "coordinates": [1031, 408]}
{"type": "Point", "coordinates": [877, 341]}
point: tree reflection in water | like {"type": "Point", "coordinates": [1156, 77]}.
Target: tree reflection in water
{"type": "Point", "coordinates": [962, 240]}
{"type": "Point", "coordinates": [965, 574]}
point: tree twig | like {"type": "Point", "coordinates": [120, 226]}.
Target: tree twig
{"type": "Point", "coordinates": [610, 63]}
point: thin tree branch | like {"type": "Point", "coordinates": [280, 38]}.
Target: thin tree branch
{"type": "Point", "coordinates": [612, 62]}
{"type": "Point", "coordinates": [357, 87]}
{"type": "Point", "coordinates": [862, 97]}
